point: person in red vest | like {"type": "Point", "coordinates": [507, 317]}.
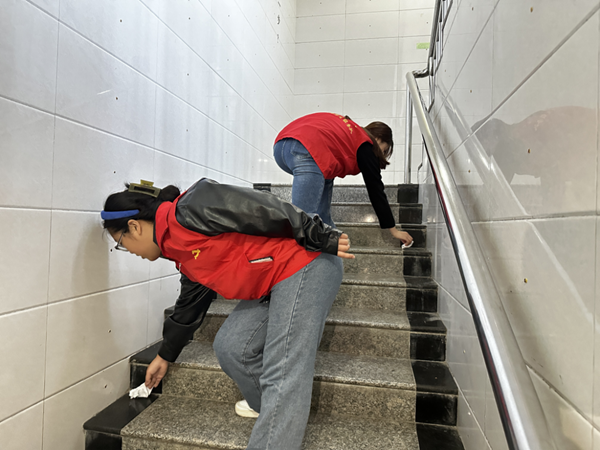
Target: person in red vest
{"type": "Point", "coordinates": [248, 245]}
{"type": "Point", "coordinates": [319, 147]}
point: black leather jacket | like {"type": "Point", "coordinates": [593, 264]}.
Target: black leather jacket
{"type": "Point", "coordinates": [211, 208]}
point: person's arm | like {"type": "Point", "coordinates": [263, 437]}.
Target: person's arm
{"type": "Point", "coordinates": [369, 168]}
{"type": "Point", "coordinates": [190, 311]}
{"type": "Point", "coordinates": [211, 208]}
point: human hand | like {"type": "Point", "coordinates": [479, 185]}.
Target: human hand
{"type": "Point", "coordinates": [402, 235]}
{"type": "Point", "coordinates": [344, 246]}
{"type": "Point", "coordinates": [156, 372]}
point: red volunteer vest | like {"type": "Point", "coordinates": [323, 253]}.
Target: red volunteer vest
{"type": "Point", "coordinates": [331, 140]}
{"type": "Point", "coordinates": [224, 262]}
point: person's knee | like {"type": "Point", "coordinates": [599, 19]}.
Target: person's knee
{"type": "Point", "coordinates": [225, 349]}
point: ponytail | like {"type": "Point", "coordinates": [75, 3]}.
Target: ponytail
{"type": "Point", "coordinates": [144, 203]}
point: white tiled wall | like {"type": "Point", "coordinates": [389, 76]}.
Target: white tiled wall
{"type": "Point", "coordinates": [94, 94]}
{"type": "Point", "coordinates": [518, 123]}
{"type": "Point", "coordinates": [352, 57]}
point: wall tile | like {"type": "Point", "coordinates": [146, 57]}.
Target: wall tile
{"type": "Point", "coordinates": [28, 49]}
{"type": "Point", "coordinates": [24, 234]}
{"type": "Point", "coordinates": [181, 130]}
{"type": "Point", "coordinates": [415, 22]}
{"type": "Point", "coordinates": [95, 88]}
{"type": "Point", "coordinates": [24, 430]}
{"type": "Point", "coordinates": [50, 6]}
{"type": "Point", "coordinates": [319, 81]}
{"type": "Point", "coordinates": [469, 429]}
{"type": "Point", "coordinates": [163, 294]}
{"type": "Point", "coordinates": [409, 51]}
{"type": "Point", "coordinates": [372, 106]}
{"type": "Point", "coordinates": [66, 412]}
{"type": "Point", "coordinates": [370, 78]}
{"type": "Point", "coordinates": [361, 6]}
{"type": "Point", "coordinates": [115, 321]}
{"type": "Point", "coordinates": [320, 7]}
{"type": "Point", "coordinates": [372, 25]}
{"type": "Point", "coordinates": [596, 400]}
{"type": "Point", "coordinates": [319, 54]}
{"type": "Point", "coordinates": [82, 260]}
{"type": "Point", "coordinates": [472, 91]}
{"type": "Point", "coordinates": [362, 52]}
{"type": "Point", "coordinates": [23, 337]}
{"type": "Point", "coordinates": [463, 353]}
{"type": "Point", "coordinates": [306, 104]}
{"type": "Point", "coordinates": [532, 128]}
{"type": "Point", "coordinates": [85, 157]}
{"type": "Point", "coordinates": [494, 431]}
{"type": "Point", "coordinates": [121, 28]}
{"type": "Point", "coordinates": [568, 428]}
{"type": "Point", "coordinates": [517, 25]}
{"type": "Point", "coordinates": [418, 4]}
{"type": "Point", "coordinates": [545, 283]}
{"type": "Point", "coordinates": [26, 146]}
{"type": "Point", "coordinates": [323, 28]}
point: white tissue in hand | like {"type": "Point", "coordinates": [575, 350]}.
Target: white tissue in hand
{"type": "Point", "coordinates": [141, 391]}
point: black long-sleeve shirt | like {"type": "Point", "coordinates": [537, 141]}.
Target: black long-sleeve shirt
{"type": "Point", "coordinates": [369, 168]}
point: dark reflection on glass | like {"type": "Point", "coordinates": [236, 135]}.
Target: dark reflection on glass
{"type": "Point", "coordinates": [556, 148]}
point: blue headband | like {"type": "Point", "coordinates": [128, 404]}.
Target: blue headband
{"type": "Point", "coordinates": [110, 215]}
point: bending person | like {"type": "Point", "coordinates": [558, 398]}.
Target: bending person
{"type": "Point", "coordinates": [247, 245]}
{"type": "Point", "coordinates": [319, 147]}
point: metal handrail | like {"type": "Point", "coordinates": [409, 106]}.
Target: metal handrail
{"type": "Point", "coordinates": [518, 404]}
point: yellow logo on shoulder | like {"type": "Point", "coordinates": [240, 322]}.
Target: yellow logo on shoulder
{"type": "Point", "coordinates": [196, 253]}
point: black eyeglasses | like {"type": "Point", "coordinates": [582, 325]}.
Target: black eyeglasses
{"type": "Point", "coordinates": [119, 246]}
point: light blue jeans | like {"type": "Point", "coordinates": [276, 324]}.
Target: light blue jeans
{"type": "Point", "coordinates": [311, 192]}
{"type": "Point", "coordinates": [269, 350]}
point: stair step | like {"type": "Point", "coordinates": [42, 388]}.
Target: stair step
{"type": "Point", "coordinates": [186, 423]}
{"type": "Point", "coordinates": [371, 234]}
{"type": "Point", "coordinates": [404, 213]}
{"type": "Point", "coordinates": [342, 193]}
{"type": "Point", "coordinates": [388, 260]}
{"type": "Point", "coordinates": [344, 384]}
{"type": "Point", "coordinates": [359, 332]}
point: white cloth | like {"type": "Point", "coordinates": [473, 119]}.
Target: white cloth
{"type": "Point", "coordinates": [141, 391]}
{"type": "Point", "coordinates": [408, 246]}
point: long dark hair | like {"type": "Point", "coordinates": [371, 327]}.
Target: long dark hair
{"type": "Point", "coordinates": [384, 133]}
{"type": "Point", "coordinates": [146, 204]}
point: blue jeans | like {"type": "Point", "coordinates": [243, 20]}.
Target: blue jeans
{"type": "Point", "coordinates": [269, 350]}
{"type": "Point", "coordinates": [311, 192]}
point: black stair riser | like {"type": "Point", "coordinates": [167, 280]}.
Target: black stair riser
{"type": "Point", "coordinates": [102, 441]}
{"type": "Point", "coordinates": [422, 300]}
{"type": "Point", "coordinates": [435, 437]}
{"type": "Point", "coordinates": [410, 214]}
{"type": "Point", "coordinates": [417, 266]}
{"type": "Point", "coordinates": [428, 347]}
{"type": "Point", "coordinates": [439, 409]}
{"type": "Point", "coordinates": [408, 193]}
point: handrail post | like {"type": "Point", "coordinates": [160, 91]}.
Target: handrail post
{"type": "Point", "coordinates": [408, 139]}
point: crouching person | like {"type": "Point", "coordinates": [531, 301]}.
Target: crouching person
{"type": "Point", "coordinates": [248, 245]}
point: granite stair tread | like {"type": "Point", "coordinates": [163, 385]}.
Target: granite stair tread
{"type": "Point", "coordinates": [338, 315]}
{"type": "Point", "coordinates": [333, 367]}
{"type": "Point", "coordinates": [371, 279]}
{"type": "Point", "coordinates": [389, 251]}
{"type": "Point", "coordinates": [214, 425]}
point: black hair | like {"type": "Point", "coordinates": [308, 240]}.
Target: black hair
{"type": "Point", "coordinates": [147, 205]}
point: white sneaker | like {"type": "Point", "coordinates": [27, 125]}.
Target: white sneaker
{"type": "Point", "coordinates": [242, 409]}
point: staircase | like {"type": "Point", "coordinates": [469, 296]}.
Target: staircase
{"type": "Point", "coordinates": [380, 380]}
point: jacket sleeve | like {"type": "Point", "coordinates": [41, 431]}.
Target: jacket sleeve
{"type": "Point", "coordinates": [369, 168]}
{"type": "Point", "coordinates": [190, 310]}
{"type": "Point", "coordinates": [211, 208]}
